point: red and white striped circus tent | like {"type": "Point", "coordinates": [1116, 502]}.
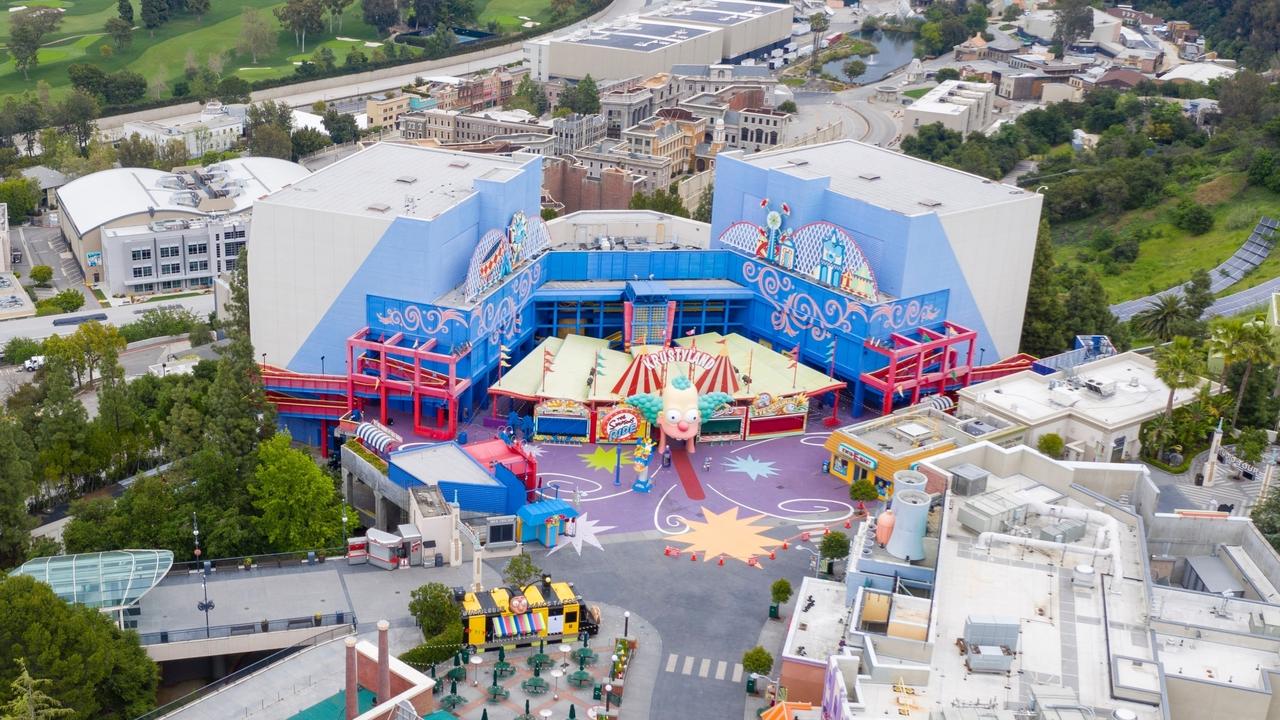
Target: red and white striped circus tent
{"type": "Point", "coordinates": [720, 377]}
{"type": "Point", "coordinates": [638, 378]}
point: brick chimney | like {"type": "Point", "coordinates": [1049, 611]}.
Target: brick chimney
{"type": "Point", "coordinates": [384, 663]}
{"type": "Point", "coordinates": [353, 684]}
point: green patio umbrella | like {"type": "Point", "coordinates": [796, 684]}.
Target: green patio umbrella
{"type": "Point", "coordinates": [495, 677]}
{"type": "Point", "coordinates": [542, 646]}
{"type": "Point", "coordinates": [526, 707]}
{"type": "Point", "coordinates": [456, 660]}
{"type": "Point", "coordinates": [433, 671]}
{"type": "Point", "coordinates": [453, 687]}
{"type": "Point", "coordinates": [582, 663]}
{"type": "Point", "coordinates": [537, 671]}
{"type": "Point", "coordinates": [502, 654]}
{"type": "Point", "coordinates": [484, 715]}
{"type": "Point", "coordinates": [573, 712]}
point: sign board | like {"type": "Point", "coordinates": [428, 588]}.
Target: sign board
{"type": "Point", "coordinates": [621, 424]}
{"type": "Point", "coordinates": [858, 456]}
{"type": "Point", "coordinates": [93, 259]}
{"type": "Point", "coordinates": [693, 356]}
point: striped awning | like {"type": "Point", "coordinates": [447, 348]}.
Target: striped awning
{"type": "Point", "coordinates": [938, 402]}
{"type": "Point", "coordinates": [514, 625]}
{"type": "Point", "coordinates": [637, 378]}
{"type": "Point", "coordinates": [720, 377]}
{"type": "Point", "coordinates": [374, 437]}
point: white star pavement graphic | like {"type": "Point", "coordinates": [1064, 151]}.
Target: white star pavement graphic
{"type": "Point", "coordinates": [586, 531]}
{"type": "Point", "coordinates": [751, 467]}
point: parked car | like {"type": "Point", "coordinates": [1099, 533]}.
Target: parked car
{"type": "Point", "coordinates": [33, 363]}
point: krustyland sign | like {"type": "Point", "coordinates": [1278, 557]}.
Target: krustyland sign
{"type": "Point", "coordinates": [693, 356]}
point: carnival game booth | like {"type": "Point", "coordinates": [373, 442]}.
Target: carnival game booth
{"type": "Point", "coordinates": [579, 387]}
{"type": "Point", "coordinates": [543, 610]}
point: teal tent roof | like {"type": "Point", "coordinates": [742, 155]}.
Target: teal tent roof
{"type": "Point", "coordinates": [537, 512]}
{"type": "Point", "coordinates": [102, 580]}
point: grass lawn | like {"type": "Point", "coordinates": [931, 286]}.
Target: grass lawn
{"type": "Point", "coordinates": [1169, 259]}
{"type": "Point", "coordinates": [162, 55]}
{"type": "Point", "coordinates": [917, 92]}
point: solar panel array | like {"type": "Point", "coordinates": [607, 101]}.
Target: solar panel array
{"type": "Point", "coordinates": [1245, 259]}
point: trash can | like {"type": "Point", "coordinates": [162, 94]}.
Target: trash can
{"type": "Point", "coordinates": [596, 693]}
{"type": "Point", "coordinates": [751, 684]}
{"type": "Point", "coordinates": [773, 611]}
{"type": "Point", "coordinates": [439, 560]}
{"type": "Point", "coordinates": [462, 437]}
{"type": "Point", "coordinates": [826, 467]}
{"type": "Point", "coordinates": [1199, 478]}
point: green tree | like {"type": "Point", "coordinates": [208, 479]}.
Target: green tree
{"type": "Point", "coordinates": [529, 96]}
{"type": "Point", "coordinates": [1250, 444]}
{"type": "Point", "coordinates": [1192, 217]}
{"type": "Point", "coordinates": [702, 213]}
{"type": "Point", "coordinates": [124, 87]}
{"type": "Point", "coordinates": [172, 154]}
{"type": "Point", "coordinates": [335, 9]}
{"type": "Point", "coordinates": [273, 142]}
{"type": "Point", "coordinates": [198, 7]}
{"type": "Point", "coordinates": [854, 69]}
{"type": "Point", "coordinates": [583, 98]}
{"type": "Point", "coordinates": [115, 435]}
{"type": "Point", "coordinates": [76, 115]}
{"type": "Point", "coordinates": [341, 127]}
{"type": "Point", "coordinates": [27, 30]}
{"type": "Point", "coordinates": [1074, 21]}
{"type": "Point", "coordinates": [1051, 445]}
{"type": "Point", "coordinates": [22, 195]}
{"type": "Point", "coordinates": [298, 505]}
{"type": "Point", "coordinates": [788, 106]}
{"type": "Point", "coordinates": [1245, 342]}
{"type": "Point", "coordinates": [307, 141]}
{"type": "Point", "coordinates": [1197, 294]}
{"type": "Point", "coordinates": [1163, 316]}
{"type": "Point", "coordinates": [661, 201]}
{"type": "Point", "coordinates": [818, 23]}
{"type": "Point", "coordinates": [834, 545]}
{"type": "Point", "coordinates": [381, 14]}
{"type": "Point", "coordinates": [89, 78]}
{"type": "Point", "coordinates": [95, 669]}
{"type": "Point", "coordinates": [121, 32]}
{"type": "Point", "coordinates": [301, 17]}
{"type": "Point", "coordinates": [42, 274]}
{"type": "Point", "coordinates": [1042, 321]}
{"type": "Point", "coordinates": [433, 607]}
{"type": "Point", "coordinates": [946, 73]}
{"type": "Point", "coordinates": [62, 426]}
{"type": "Point", "coordinates": [134, 152]}
{"type": "Point", "coordinates": [257, 37]}
{"type": "Point", "coordinates": [30, 699]}
{"type": "Point", "coordinates": [520, 571]}
{"type": "Point", "coordinates": [757, 661]}
{"type": "Point", "coordinates": [239, 413]}
{"type": "Point", "coordinates": [154, 14]}
{"type": "Point", "coordinates": [16, 487]}
{"type": "Point", "coordinates": [780, 591]}
{"type": "Point", "coordinates": [1178, 365]}
{"type": "Point", "coordinates": [19, 349]}
{"type": "Point", "coordinates": [124, 9]}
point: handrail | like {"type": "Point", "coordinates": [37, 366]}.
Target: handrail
{"type": "Point", "coordinates": [254, 627]}
{"type": "Point", "coordinates": [278, 560]}
{"type": "Point", "coordinates": [244, 672]}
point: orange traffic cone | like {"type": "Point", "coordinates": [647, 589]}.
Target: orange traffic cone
{"type": "Point", "coordinates": [784, 545]}
{"type": "Point", "coordinates": [693, 557]}
{"type": "Point", "coordinates": [773, 555]}
{"type": "Point", "coordinates": [720, 562]}
{"type": "Point", "coordinates": [826, 531]}
{"type": "Point", "coordinates": [848, 524]}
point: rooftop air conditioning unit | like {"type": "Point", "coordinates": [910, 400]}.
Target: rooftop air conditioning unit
{"type": "Point", "coordinates": [1104, 389]}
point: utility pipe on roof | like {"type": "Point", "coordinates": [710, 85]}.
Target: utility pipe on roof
{"type": "Point", "coordinates": [1106, 541]}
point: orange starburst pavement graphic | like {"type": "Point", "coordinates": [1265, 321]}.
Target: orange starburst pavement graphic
{"type": "Point", "coordinates": [727, 535]}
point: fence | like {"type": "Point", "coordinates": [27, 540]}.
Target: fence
{"type": "Point", "coordinates": [246, 671]}
{"type": "Point", "coordinates": [250, 628]}
{"type": "Point", "coordinates": [275, 560]}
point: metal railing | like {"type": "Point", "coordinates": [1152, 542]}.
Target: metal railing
{"type": "Point", "coordinates": [249, 628]}
{"type": "Point", "coordinates": [273, 560]}
{"type": "Point", "coordinates": [244, 672]}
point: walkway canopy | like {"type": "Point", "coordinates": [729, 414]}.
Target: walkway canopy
{"type": "Point", "coordinates": [104, 580]}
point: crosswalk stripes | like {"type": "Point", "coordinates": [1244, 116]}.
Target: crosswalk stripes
{"type": "Point", "coordinates": [706, 668]}
{"type": "Point", "coordinates": [1230, 492]}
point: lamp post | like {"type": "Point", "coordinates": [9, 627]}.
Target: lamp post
{"type": "Point", "coordinates": [164, 369]}
{"type": "Point", "coordinates": [321, 364]}
{"type": "Point", "coordinates": [344, 526]}
{"type": "Point", "coordinates": [206, 605]}
{"type": "Point", "coordinates": [772, 681]}
{"type": "Point", "coordinates": [613, 667]}
{"type": "Point", "coordinates": [816, 556]}
{"type": "Point", "coordinates": [626, 624]}
{"type": "Point", "coordinates": [617, 465]}
{"type": "Point", "coordinates": [264, 361]}
{"type": "Point", "coordinates": [608, 692]}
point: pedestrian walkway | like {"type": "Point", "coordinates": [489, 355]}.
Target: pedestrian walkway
{"type": "Point", "coordinates": [1240, 493]}
{"type": "Point", "coordinates": [706, 668]}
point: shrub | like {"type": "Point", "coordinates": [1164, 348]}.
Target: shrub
{"type": "Point", "coordinates": [834, 545]}
{"type": "Point", "coordinates": [1051, 444]}
{"type": "Point", "coordinates": [433, 607]}
{"type": "Point", "coordinates": [521, 571]}
{"type": "Point", "coordinates": [757, 661]}
{"type": "Point", "coordinates": [437, 648]}
{"type": "Point", "coordinates": [1192, 217]}
{"type": "Point", "coordinates": [160, 322]}
{"type": "Point", "coordinates": [788, 106]}
{"type": "Point", "coordinates": [864, 491]}
{"type": "Point", "coordinates": [42, 274]}
{"type": "Point", "coordinates": [200, 334]}
{"type": "Point", "coordinates": [780, 591]}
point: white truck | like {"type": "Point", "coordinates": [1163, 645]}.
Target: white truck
{"type": "Point", "coordinates": [33, 363]}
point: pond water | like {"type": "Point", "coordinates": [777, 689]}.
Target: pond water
{"type": "Point", "coordinates": [894, 51]}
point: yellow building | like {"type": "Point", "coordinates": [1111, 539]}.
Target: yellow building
{"type": "Point", "coordinates": [876, 449]}
{"type": "Point", "coordinates": [511, 616]}
{"type": "Point", "coordinates": [385, 110]}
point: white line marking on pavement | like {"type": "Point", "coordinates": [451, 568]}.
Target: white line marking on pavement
{"type": "Point", "coordinates": [688, 666]}
{"type": "Point", "coordinates": [721, 667]}
{"type": "Point", "coordinates": [671, 662]}
{"type": "Point", "coordinates": [705, 668]}
{"type": "Point", "coordinates": [737, 672]}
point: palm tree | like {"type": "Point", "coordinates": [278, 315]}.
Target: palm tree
{"type": "Point", "coordinates": [818, 23]}
{"type": "Point", "coordinates": [1162, 316]}
{"type": "Point", "coordinates": [1178, 366]}
{"type": "Point", "coordinates": [1157, 434]}
{"type": "Point", "coordinates": [1243, 341]}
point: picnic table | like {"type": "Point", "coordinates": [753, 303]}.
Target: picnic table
{"type": "Point", "coordinates": [449, 702]}
{"type": "Point", "coordinates": [458, 673]}
{"type": "Point", "coordinates": [504, 668]}
{"type": "Point", "coordinates": [585, 654]}
{"type": "Point", "coordinates": [497, 693]}
{"type": "Point", "coordinates": [580, 678]}
{"type": "Point", "coordinates": [534, 686]}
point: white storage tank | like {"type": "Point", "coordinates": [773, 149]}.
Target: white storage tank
{"type": "Point", "coordinates": [1083, 575]}
{"type": "Point", "coordinates": [911, 520]}
{"type": "Point", "coordinates": [909, 480]}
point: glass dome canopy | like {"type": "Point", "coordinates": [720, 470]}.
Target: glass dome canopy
{"type": "Point", "coordinates": [102, 580]}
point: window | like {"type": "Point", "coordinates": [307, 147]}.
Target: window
{"type": "Point", "coordinates": [142, 254]}
{"type": "Point", "coordinates": [233, 234]}
{"type": "Point", "coordinates": [570, 617]}
{"type": "Point", "coordinates": [198, 249]}
{"type": "Point", "coordinates": [170, 284]}
{"type": "Point", "coordinates": [170, 251]}
{"type": "Point", "coordinates": [197, 266]}
{"type": "Point", "coordinates": [170, 268]}
{"type": "Point", "coordinates": [231, 264]}
{"type": "Point", "coordinates": [145, 287]}
{"type": "Point", "coordinates": [142, 271]}
{"type": "Point", "coordinates": [234, 248]}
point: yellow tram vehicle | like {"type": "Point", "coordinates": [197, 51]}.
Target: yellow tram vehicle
{"type": "Point", "coordinates": [511, 616]}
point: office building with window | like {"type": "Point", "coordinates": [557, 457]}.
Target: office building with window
{"type": "Point", "coordinates": [171, 255]}
{"type": "Point", "coordinates": [108, 214]}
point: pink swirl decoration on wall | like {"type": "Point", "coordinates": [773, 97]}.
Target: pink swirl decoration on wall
{"type": "Point", "coordinates": [414, 319]}
{"type": "Point", "coordinates": [501, 317]}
